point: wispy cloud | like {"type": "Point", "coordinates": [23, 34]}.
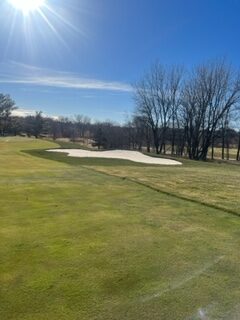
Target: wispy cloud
{"type": "Point", "coordinates": [16, 73]}
{"type": "Point", "coordinates": [21, 112]}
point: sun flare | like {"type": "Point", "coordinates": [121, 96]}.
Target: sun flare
{"type": "Point", "coordinates": [27, 6]}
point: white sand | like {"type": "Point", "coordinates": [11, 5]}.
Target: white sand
{"type": "Point", "coordinates": [117, 154]}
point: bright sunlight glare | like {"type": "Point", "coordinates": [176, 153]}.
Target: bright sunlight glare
{"type": "Point", "coordinates": [27, 6]}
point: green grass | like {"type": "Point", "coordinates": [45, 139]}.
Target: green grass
{"type": "Point", "coordinates": [80, 242]}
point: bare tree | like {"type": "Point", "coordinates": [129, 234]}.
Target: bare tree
{"type": "Point", "coordinates": [236, 125]}
{"type": "Point", "coordinates": [238, 148]}
{"type": "Point", "coordinates": [156, 97]}
{"type": "Point", "coordinates": [34, 124]}
{"type": "Point", "coordinates": [210, 93]}
{"type": "Point", "coordinates": [140, 133]}
{"type": "Point", "coordinates": [82, 123]}
{"type": "Point", "coordinates": [7, 105]}
{"type": "Point", "coordinates": [175, 92]}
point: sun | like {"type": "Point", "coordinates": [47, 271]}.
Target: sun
{"type": "Point", "coordinates": [27, 6]}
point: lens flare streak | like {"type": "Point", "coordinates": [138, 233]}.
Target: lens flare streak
{"type": "Point", "coordinates": [32, 15]}
{"type": "Point", "coordinates": [27, 6]}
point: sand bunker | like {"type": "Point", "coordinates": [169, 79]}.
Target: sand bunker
{"type": "Point", "coordinates": [117, 154]}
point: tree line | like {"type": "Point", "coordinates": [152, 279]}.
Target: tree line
{"type": "Point", "coordinates": [177, 112]}
{"type": "Point", "coordinates": [191, 109]}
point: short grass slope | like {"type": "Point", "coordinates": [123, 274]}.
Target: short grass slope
{"type": "Point", "coordinates": [80, 242]}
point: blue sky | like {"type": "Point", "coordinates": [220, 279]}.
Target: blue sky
{"type": "Point", "coordinates": [81, 56]}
